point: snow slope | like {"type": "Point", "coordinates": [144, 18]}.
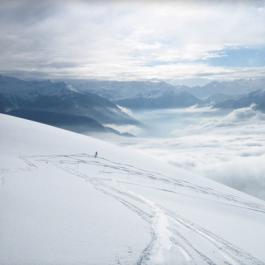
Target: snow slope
{"type": "Point", "coordinates": [60, 205]}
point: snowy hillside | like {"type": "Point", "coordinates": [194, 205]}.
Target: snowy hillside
{"type": "Point", "coordinates": [61, 205]}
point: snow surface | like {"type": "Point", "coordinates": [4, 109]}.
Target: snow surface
{"type": "Point", "coordinates": [60, 205]}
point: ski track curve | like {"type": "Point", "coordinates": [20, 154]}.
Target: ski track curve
{"type": "Point", "coordinates": [170, 232]}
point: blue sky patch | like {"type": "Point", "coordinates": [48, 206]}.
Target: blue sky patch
{"type": "Point", "coordinates": [240, 57]}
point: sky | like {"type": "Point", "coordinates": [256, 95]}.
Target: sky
{"type": "Point", "coordinates": [133, 40]}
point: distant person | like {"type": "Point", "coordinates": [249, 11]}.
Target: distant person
{"type": "Point", "coordinates": [96, 154]}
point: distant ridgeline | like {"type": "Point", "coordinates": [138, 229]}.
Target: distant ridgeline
{"type": "Point", "coordinates": [59, 104]}
{"type": "Point", "coordinates": [159, 94]}
{"type": "Point", "coordinates": [89, 105]}
{"type": "Point", "coordinates": [139, 94]}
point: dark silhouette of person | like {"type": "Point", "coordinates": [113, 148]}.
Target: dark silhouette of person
{"type": "Point", "coordinates": [96, 154]}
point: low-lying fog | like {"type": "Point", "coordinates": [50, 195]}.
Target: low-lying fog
{"type": "Point", "coordinates": [227, 146]}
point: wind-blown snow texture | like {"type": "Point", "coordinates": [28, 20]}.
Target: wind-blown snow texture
{"type": "Point", "coordinates": [61, 205]}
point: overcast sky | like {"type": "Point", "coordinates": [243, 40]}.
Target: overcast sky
{"type": "Point", "coordinates": [133, 40]}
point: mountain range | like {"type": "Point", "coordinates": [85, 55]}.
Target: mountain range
{"type": "Point", "coordinates": [58, 103]}
{"type": "Point", "coordinates": [232, 88]}
{"type": "Point", "coordinates": [169, 99]}
{"type": "Point", "coordinates": [159, 94]}
{"type": "Point", "coordinates": [256, 97]}
{"type": "Point", "coordinates": [90, 105]}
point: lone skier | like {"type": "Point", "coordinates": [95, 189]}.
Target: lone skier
{"type": "Point", "coordinates": [96, 155]}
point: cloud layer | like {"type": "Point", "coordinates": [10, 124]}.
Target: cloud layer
{"type": "Point", "coordinates": [129, 39]}
{"type": "Point", "coordinates": [227, 147]}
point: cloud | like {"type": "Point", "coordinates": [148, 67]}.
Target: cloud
{"type": "Point", "coordinates": [128, 39]}
{"type": "Point", "coordinates": [245, 174]}
{"type": "Point", "coordinates": [225, 146]}
{"type": "Point", "coordinates": [126, 111]}
{"type": "Point", "coordinates": [238, 117]}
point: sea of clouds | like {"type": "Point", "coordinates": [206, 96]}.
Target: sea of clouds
{"type": "Point", "coordinates": [227, 146]}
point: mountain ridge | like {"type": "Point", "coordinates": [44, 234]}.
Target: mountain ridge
{"type": "Point", "coordinates": [59, 98]}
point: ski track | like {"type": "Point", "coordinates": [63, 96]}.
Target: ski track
{"type": "Point", "coordinates": [170, 232]}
